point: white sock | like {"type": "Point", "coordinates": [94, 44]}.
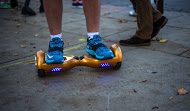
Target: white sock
{"type": "Point", "coordinates": [91, 34]}
{"type": "Point", "coordinates": [58, 35]}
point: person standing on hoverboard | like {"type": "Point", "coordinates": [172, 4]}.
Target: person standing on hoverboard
{"type": "Point", "coordinates": [95, 46]}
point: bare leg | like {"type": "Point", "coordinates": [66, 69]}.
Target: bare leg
{"type": "Point", "coordinates": [54, 10]}
{"type": "Point", "coordinates": [92, 14]}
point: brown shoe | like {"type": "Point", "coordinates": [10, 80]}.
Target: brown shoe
{"type": "Point", "coordinates": [160, 23]}
{"type": "Point", "coordinates": [135, 41]}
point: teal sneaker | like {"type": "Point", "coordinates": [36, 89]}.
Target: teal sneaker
{"type": "Point", "coordinates": [96, 48]}
{"type": "Point", "coordinates": [55, 51]}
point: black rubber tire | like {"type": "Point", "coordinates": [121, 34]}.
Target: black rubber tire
{"type": "Point", "coordinates": [118, 65]}
{"type": "Point", "coordinates": [41, 73]}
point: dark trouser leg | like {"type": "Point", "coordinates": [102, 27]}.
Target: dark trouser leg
{"type": "Point", "coordinates": [41, 6]}
{"type": "Point", "coordinates": [27, 3]}
{"type": "Point", "coordinates": [146, 14]}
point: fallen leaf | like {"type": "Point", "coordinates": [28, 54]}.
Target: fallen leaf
{"type": "Point", "coordinates": [90, 104]}
{"type": "Point", "coordinates": [134, 90]}
{"type": "Point", "coordinates": [162, 51]}
{"type": "Point", "coordinates": [40, 89]}
{"type": "Point", "coordinates": [160, 40]}
{"type": "Point", "coordinates": [110, 16]}
{"type": "Point", "coordinates": [35, 22]}
{"type": "Point", "coordinates": [82, 40]}
{"type": "Point", "coordinates": [15, 32]}
{"type": "Point", "coordinates": [32, 62]}
{"type": "Point", "coordinates": [15, 54]}
{"type": "Point", "coordinates": [18, 25]}
{"type": "Point", "coordinates": [12, 10]}
{"type": "Point", "coordinates": [122, 21]}
{"type": "Point", "coordinates": [81, 90]}
{"type": "Point", "coordinates": [144, 81]}
{"type": "Point", "coordinates": [23, 46]}
{"type": "Point", "coordinates": [161, 84]}
{"type": "Point", "coordinates": [171, 97]}
{"type": "Point", "coordinates": [36, 35]}
{"type": "Point", "coordinates": [155, 107]}
{"type": "Point", "coordinates": [11, 19]}
{"type": "Point", "coordinates": [182, 91]}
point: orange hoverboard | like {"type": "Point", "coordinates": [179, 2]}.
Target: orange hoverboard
{"type": "Point", "coordinates": [70, 62]}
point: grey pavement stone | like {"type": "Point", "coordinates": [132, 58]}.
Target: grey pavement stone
{"type": "Point", "coordinates": [172, 14]}
{"type": "Point", "coordinates": [176, 35]}
{"type": "Point", "coordinates": [181, 21]}
{"type": "Point", "coordinates": [178, 41]}
{"type": "Point", "coordinates": [186, 54]}
{"type": "Point", "coordinates": [169, 47]}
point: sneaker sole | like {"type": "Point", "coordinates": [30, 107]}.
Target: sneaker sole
{"type": "Point", "coordinates": [54, 62]}
{"type": "Point", "coordinates": [163, 24]}
{"type": "Point", "coordinates": [91, 52]}
{"type": "Point", "coordinates": [142, 44]}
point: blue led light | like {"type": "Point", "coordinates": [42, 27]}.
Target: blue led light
{"type": "Point", "coordinates": [56, 69]}
{"type": "Point", "coordinates": [105, 65]}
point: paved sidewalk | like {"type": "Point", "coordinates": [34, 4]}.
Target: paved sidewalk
{"type": "Point", "coordinates": [148, 79]}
